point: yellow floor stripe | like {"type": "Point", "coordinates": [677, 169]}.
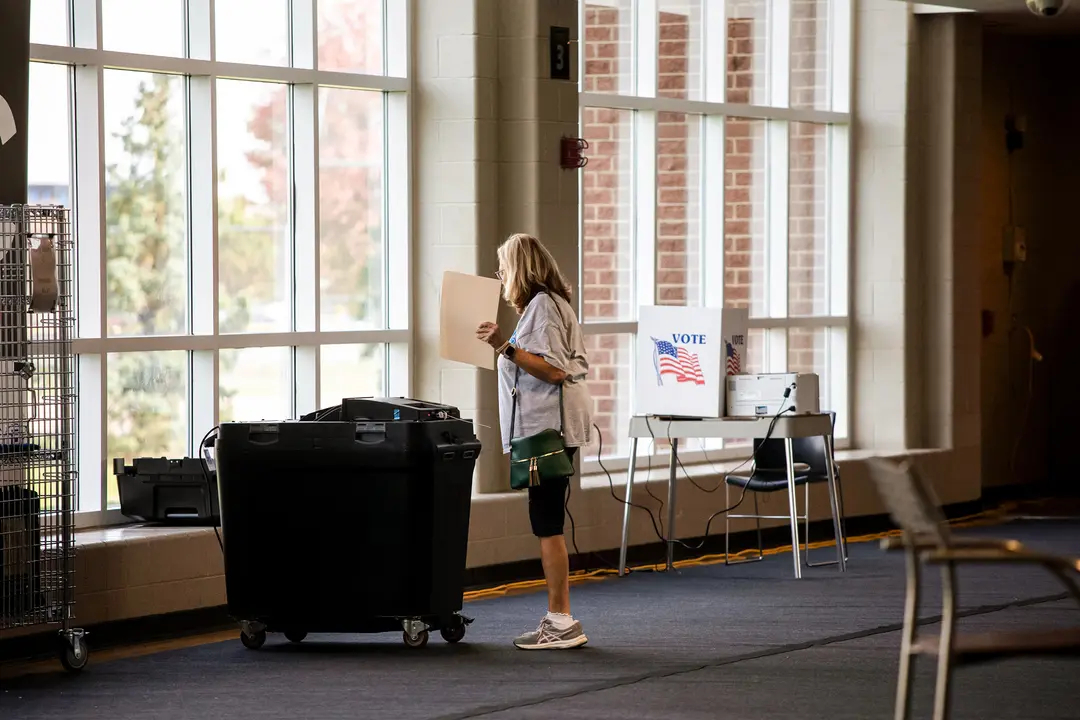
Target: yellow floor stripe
{"type": "Point", "coordinates": [988, 517]}
{"type": "Point", "coordinates": [17, 669]}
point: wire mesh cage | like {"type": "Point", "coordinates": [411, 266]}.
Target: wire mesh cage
{"type": "Point", "coordinates": [38, 482]}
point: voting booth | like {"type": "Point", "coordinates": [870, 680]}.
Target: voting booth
{"type": "Point", "coordinates": [683, 356]}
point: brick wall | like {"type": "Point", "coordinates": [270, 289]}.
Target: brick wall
{"type": "Point", "coordinates": [608, 263]}
{"type": "Point", "coordinates": [810, 54]}
{"type": "Point", "coordinates": [808, 186]}
{"type": "Point", "coordinates": [608, 36]}
{"type": "Point", "coordinates": [678, 151]}
{"type": "Point", "coordinates": [744, 161]}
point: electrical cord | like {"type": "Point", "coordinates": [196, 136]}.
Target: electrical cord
{"type": "Point", "coordinates": [1033, 356]}
{"type": "Point", "coordinates": [686, 472]}
{"type": "Point", "coordinates": [326, 413]}
{"type": "Point", "coordinates": [746, 486]}
{"type": "Point", "coordinates": [573, 531]}
{"type": "Point", "coordinates": [648, 488]}
{"type": "Point", "coordinates": [967, 521]}
{"type": "Point", "coordinates": [209, 483]}
{"type": "Point", "coordinates": [658, 528]}
{"type": "Point", "coordinates": [679, 460]}
{"type": "Point", "coordinates": [611, 484]}
{"type": "Point", "coordinates": [671, 445]}
{"type": "Point", "coordinates": [753, 457]}
{"type": "Point", "coordinates": [657, 525]}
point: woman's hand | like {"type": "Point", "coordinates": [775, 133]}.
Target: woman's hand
{"type": "Point", "coordinates": [535, 365]}
{"type": "Point", "coordinates": [489, 333]}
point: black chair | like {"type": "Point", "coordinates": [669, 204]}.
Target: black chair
{"type": "Point", "coordinates": [811, 457]}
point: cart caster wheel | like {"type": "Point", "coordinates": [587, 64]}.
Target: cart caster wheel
{"type": "Point", "coordinates": [295, 636]}
{"type": "Point", "coordinates": [454, 633]}
{"type": "Point", "coordinates": [74, 654]}
{"type": "Point", "coordinates": [419, 642]}
{"type": "Point", "coordinates": [253, 641]}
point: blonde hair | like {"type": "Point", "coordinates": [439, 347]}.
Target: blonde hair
{"type": "Point", "coordinates": [529, 268]}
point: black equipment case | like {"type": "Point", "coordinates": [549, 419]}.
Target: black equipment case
{"type": "Point", "coordinates": [347, 525]}
{"type": "Point", "coordinates": [20, 552]}
{"type": "Point", "coordinates": [164, 490]}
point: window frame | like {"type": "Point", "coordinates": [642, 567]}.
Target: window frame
{"type": "Point", "coordinates": [87, 60]}
{"type": "Point", "coordinates": [713, 111]}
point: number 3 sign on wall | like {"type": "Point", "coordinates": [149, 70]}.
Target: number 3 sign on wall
{"type": "Point", "coordinates": [560, 53]}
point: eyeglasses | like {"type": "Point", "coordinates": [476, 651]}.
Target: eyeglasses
{"type": "Point", "coordinates": [500, 274]}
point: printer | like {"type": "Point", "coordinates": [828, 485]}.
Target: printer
{"type": "Point", "coordinates": [767, 394]}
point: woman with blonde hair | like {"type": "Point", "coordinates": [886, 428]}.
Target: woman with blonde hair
{"type": "Point", "coordinates": [542, 371]}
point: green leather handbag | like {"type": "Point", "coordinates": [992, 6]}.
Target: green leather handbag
{"type": "Point", "coordinates": [537, 457]}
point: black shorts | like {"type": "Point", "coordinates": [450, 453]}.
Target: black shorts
{"type": "Point", "coordinates": [547, 505]}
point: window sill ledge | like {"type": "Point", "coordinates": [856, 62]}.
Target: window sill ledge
{"type": "Point", "coordinates": [137, 570]}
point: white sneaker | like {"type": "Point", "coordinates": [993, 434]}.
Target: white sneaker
{"type": "Point", "coordinates": [549, 637]}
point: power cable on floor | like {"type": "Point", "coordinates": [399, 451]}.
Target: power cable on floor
{"type": "Point", "coordinates": [985, 517]}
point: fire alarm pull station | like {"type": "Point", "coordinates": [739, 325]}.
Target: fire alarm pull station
{"type": "Point", "coordinates": [571, 155]}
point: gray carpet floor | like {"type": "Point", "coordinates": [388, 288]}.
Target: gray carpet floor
{"type": "Point", "coordinates": [712, 642]}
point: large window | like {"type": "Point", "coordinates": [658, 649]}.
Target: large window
{"type": "Point", "coordinates": [717, 176]}
{"type": "Point", "coordinates": [237, 170]}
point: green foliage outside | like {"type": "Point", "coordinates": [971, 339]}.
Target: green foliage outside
{"type": "Point", "coordinates": [145, 249]}
{"type": "Point", "coordinates": [147, 258]}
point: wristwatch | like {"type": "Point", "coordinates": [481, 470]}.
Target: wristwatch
{"type": "Point", "coordinates": [508, 351]}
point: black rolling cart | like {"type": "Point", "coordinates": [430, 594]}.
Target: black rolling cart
{"type": "Point", "coordinates": [354, 522]}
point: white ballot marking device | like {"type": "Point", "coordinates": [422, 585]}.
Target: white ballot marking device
{"type": "Point", "coordinates": [768, 394]}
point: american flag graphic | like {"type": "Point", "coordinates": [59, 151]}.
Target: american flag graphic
{"type": "Point", "coordinates": [732, 360]}
{"type": "Point", "coordinates": [677, 361]}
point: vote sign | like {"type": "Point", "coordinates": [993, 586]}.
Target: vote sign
{"type": "Point", "coordinates": [677, 368]}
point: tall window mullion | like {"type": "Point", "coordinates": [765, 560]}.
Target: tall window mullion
{"type": "Point", "coordinates": [778, 178]}
{"type": "Point", "coordinates": [396, 212]}
{"type": "Point", "coordinates": [89, 204]}
{"type": "Point", "coordinates": [778, 158]}
{"type": "Point", "coordinates": [304, 115]}
{"type": "Point", "coordinates": [837, 220]}
{"type": "Point", "coordinates": [841, 67]}
{"type": "Point", "coordinates": [713, 211]}
{"type": "Point", "coordinates": [203, 258]}
{"type": "Point", "coordinates": [644, 232]}
{"type": "Point", "coordinates": [715, 50]}
{"type": "Point", "coordinates": [199, 29]}
{"type": "Point", "coordinates": [646, 31]}
{"type": "Point", "coordinates": [777, 181]}
{"type": "Point", "coordinates": [646, 36]}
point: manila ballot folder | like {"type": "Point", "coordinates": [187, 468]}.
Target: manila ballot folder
{"type": "Point", "coordinates": [467, 301]}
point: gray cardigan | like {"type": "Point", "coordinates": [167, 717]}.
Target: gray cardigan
{"type": "Point", "coordinates": [548, 328]}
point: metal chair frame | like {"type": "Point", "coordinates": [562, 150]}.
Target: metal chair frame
{"type": "Point", "coordinates": [804, 516]}
{"type": "Point", "coordinates": [792, 518]}
{"type": "Point", "coordinates": [927, 540]}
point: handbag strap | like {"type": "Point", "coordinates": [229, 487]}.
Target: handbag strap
{"type": "Point", "coordinates": [517, 377]}
{"type": "Point", "coordinates": [514, 402]}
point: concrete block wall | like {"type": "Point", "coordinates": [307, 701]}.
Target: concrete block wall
{"type": "Point", "coordinates": [879, 180]}
{"type": "Point", "coordinates": [455, 91]}
{"type": "Point", "coordinates": [488, 121]}
{"type": "Point", "coordinates": [944, 239]}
